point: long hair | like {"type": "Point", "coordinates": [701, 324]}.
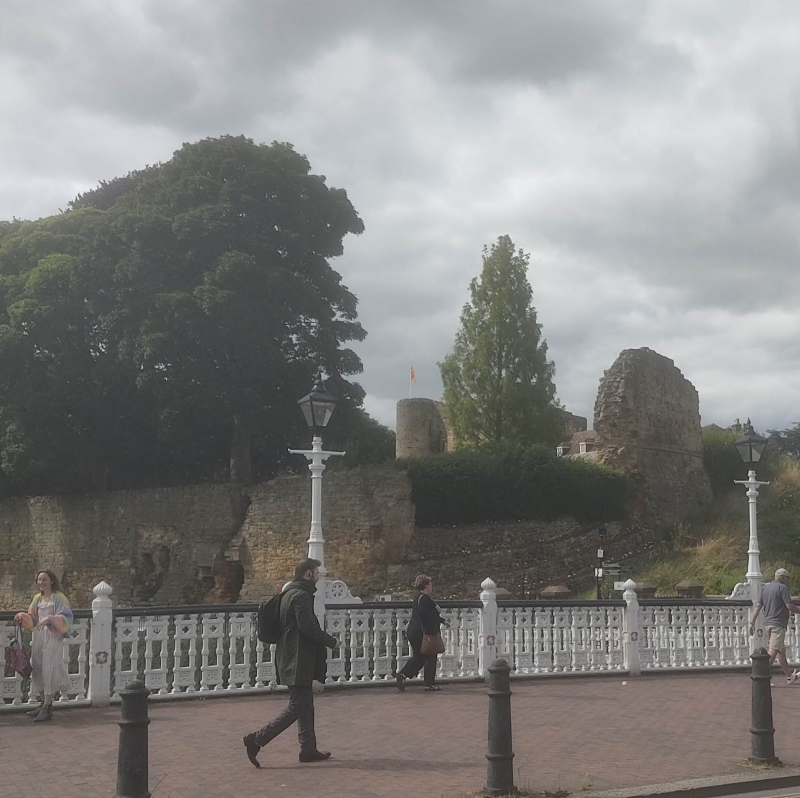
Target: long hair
{"type": "Point", "coordinates": [55, 585]}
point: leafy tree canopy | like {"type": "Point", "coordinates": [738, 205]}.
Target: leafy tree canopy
{"type": "Point", "coordinates": [161, 330]}
{"type": "Point", "coordinates": [785, 441]}
{"type": "Point", "coordinates": [498, 382]}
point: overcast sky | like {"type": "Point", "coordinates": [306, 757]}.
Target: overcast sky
{"type": "Point", "coordinates": [646, 154]}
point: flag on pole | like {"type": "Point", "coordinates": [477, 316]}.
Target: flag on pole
{"type": "Point", "coordinates": [413, 376]}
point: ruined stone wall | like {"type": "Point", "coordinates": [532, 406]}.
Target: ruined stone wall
{"type": "Point", "coordinates": [647, 417]}
{"type": "Point", "coordinates": [204, 543]}
{"type": "Point", "coordinates": [572, 423]}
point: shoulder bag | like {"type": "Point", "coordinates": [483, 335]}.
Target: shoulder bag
{"type": "Point", "coordinates": [432, 645]}
{"type": "Point", "coordinates": [17, 657]}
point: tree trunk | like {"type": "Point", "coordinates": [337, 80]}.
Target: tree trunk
{"type": "Point", "coordinates": [241, 467]}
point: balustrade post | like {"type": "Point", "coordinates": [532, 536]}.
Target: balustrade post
{"type": "Point", "coordinates": [630, 637]}
{"type": "Point", "coordinates": [488, 627]}
{"type": "Point", "coordinates": [100, 645]}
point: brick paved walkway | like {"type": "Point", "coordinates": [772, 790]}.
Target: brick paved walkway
{"type": "Point", "coordinates": [595, 731]}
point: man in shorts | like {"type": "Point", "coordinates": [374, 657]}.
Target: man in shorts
{"type": "Point", "coordinates": [776, 604]}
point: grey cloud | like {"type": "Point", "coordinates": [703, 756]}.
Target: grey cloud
{"type": "Point", "coordinates": [194, 64]}
{"type": "Point", "coordinates": [634, 148]}
{"type": "Point", "coordinates": [544, 42]}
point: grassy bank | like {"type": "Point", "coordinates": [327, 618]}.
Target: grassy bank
{"type": "Point", "coordinates": [712, 547]}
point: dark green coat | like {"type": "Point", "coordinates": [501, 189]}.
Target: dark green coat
{"type": "Point", "coordinates": [301, 655]}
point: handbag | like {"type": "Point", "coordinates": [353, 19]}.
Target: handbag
{"type": "Point", "coordinates": [432, 645]}
{"type": "Point", "coordinates": [17, 657]}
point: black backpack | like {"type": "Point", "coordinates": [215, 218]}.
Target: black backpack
{"type": "Point", "coordinates": [268, 625]}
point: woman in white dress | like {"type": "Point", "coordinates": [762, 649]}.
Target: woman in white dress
{"type": "Point", "coordinates": [50, 617]}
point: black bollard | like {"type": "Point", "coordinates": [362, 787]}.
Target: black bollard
{"type": "Point", "coordinates": [132, 763]}
{"type": "Point", "coordinates": [762, 739]}
{"type": "Point", "coordinates": [499, 768]}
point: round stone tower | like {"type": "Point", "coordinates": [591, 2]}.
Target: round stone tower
{"type": "Point", "coordinates": [420, 428]}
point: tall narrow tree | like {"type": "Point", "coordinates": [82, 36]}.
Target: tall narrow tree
{"type": "Point", "coordinates": [498, 382]}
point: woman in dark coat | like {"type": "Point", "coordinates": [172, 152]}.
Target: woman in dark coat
{"type": "Point", "coordinates": [425, 619]}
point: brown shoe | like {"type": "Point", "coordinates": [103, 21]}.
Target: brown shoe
{"type": "Point", "coordinates": [314, 756]}
{"type": "Point", "coordinates": [252, 748]}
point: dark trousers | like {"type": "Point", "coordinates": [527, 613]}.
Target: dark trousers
{"type": "Point", "coordinates": [300, 709]}
{"type": "Point", "coordinates": [418, 662]}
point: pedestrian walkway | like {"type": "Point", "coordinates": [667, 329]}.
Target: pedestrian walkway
{"type": "Point", "coordinates": [570, 733]}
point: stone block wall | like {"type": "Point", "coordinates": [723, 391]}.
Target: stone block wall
{"type": "Point", "coordinates": [152, 546]}
{"type": "Point", "coordinates": [203, 543]}
{"type": "Point", "coordinates": [367, 523]}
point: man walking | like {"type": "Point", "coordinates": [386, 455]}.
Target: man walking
{"type": "Point", "coordinates": [776, 604]}
{"type": "Point", "coordinates": [300, 658]}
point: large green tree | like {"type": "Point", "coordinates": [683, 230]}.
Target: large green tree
{"type": "Point", "coordinates": [161, 330]}
{"type": "Point", "coordinates": [498, 382]}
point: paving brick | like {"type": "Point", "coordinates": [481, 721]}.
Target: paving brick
{"type": "Point", "coordinates": [568, 733]}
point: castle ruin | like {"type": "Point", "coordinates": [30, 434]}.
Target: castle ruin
{"type": "Point", "coordinates": [646, 422]}
{"type": "Point", "coordinates": [422, 428]}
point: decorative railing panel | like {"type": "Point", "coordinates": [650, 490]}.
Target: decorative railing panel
{"type": "Point", "coordinates": [793, 638]}
{"type": "Point", "coordinates": [373, 645]}
{"type": "Point", "coordinates": [540, 637]}
{"type": "Point", "coordinates": [16, 691]}
{"type": "Point", "coordinates": [183, 651]}
{"type": "Point", "coordinates": [700, 634]}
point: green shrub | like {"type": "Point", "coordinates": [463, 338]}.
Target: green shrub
{"type": "Point", "coordinates": [724, 465]}
{"type": "Point", "coordinates": [492, 484]}
{"type": "Point", "coordinates": [722, 461]}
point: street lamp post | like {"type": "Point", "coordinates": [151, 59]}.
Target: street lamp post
{"type": "Point", "coordinates": [598, 571]}
{"type": "Point", "coordinates": [751, 449]}
{"type": "Point", "coordinates": [317, 407]}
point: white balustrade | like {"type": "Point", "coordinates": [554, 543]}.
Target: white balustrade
{"type": "Point", "coordinates": [693, 635]}
{"type": "Point", "coordinates": [185, 652]}
{"type": "Point", "coordinates": [155, 657]}
{"type": "Point", "coordinates": [192, 654]}
{"type": "Point", "coordinates": [212, 671]}
{"type": "Point", "coordinates": [383, 635]}
{"type": "Point", "coordinates": [402, 646]}
{"type": "Point", "coordinates": [550, 638]}
{"type": "Point", "coordinates": [15, 691]}
{"type": "Point", "coordinates": [76, 645]}
{"type": "Point", "coordinates": [336, 626]}
{"type": "Point", "coordinates": [240, 635]}
{"type": "Point", "coordinates": [793, 638]}
{"type": "Point", "coordinates": [505, 635]}
{"type": "Point", "coordinates": [359, 648]}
